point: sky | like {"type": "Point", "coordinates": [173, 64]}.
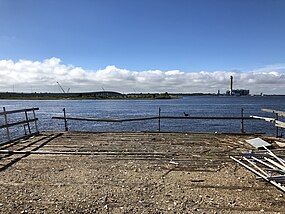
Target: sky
{"type": "Point", "coordinates": [142, 45]}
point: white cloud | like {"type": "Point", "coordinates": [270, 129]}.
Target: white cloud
{"type": "Point", "coordinates": [42, 76]}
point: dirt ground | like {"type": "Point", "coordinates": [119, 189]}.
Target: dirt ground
{"type": "Point", "coordinates": [132, 173]}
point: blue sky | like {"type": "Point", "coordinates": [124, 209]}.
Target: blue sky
{"type": "Point", "coordinates": [148, 34]}
{"type": "Point", "coordinates": [184, 35]}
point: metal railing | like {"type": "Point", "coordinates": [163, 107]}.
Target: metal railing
{"type": "Point", "coordinates": [159, 118]}
{"type": "Point", "coordinates": [278, 124]}
{"type": "Point", "coordinates": [27, 122]}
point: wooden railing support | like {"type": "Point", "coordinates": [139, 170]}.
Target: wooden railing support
{"type": "Point", "coordinates": [36, 123]}
{"type": "Point", "coordinates": [27, 119]}
{"type": "Point", "coordinates": [6, 123]}
{"type": "Point", "coordinates": [25, 123]}
{"type": "Point", "coordinates": [242, 124]}
{"type": "Point", "coordinates": [65, 120]}
{"type": "Point", "coordinates": [276, 118]}
{"type": "Point", "coordinates": [159, 111]}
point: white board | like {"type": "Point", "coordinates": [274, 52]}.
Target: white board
{"type": "Point", "coordinates": [258, 143]}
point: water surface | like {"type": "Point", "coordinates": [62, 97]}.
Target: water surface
{"type": "Point", "coordinates": [193, 105]}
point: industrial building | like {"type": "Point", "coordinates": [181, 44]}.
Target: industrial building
{"type": "Point", "coordinates": [236, 92]}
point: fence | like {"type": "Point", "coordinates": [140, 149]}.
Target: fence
{"type": "Point", "coordinates": [278, 123]}
{"type": "Point", "coordinates": [8, 123]}
{"type": "Point", "coordinates": [27, 123]}
{"type": "Point", "coordinates": [159, 118]}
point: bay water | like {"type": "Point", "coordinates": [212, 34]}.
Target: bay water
{"type": "Point", "coordinates": [208, 106]}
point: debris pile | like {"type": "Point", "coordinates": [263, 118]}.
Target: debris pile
{"type": "Point", "coordinates": [267, 164]}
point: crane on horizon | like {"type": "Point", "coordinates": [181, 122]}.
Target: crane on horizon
{"type": "Point", "coordinates": [61, 87]}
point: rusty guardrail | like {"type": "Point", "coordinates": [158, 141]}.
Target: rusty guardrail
{"type": "Point", "coordinates": [26, 123]}
{"type": "Point", "coordinates": [159, 118]}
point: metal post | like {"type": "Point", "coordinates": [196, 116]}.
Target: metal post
{"type": "Point", "coordinates": [25, 129]}
{"type": "Point", "coordinates": [242, 124]}
{"type": "Point", "coordinates": [159, 110]}
{"type": "Point", "coordinates": [36, 124]}
{"type": "Point", "coordinates": [65, 120]}
{"type": "Point", "coordinates": [6, 123]}
{"type": "Point", "coordinates": [276, 117]}
{"type": "Point", "coordinates": [28, 124]}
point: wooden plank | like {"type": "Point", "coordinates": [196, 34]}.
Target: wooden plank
{"type": "Point", "coordinates": [280, 113]}
{"type": "Point", "coordinates": [275, 163]}
{"type": "Point", "coordinates": [268, 119]}
{"type": "Point", "coordinates": [208, 118]}
{"type": "Point", "coordinates": [255, 166]}
{"type": "Point", "coordinates": [280, 178]}
{"type": "Point", "coordinates": [18, 123]}
{"type": "Point", "coordinates": [103, 119]}
{"type": "Point", "coordinates": [273, 155]}
{"type": "Point", "coordinates": [277, 123]}
{"type": "Point", "coordinates": [259, 174]}
{"type": "Point", "coordinates": [151, 118]}
{"type": "Point", "coordinates": [18, 111]}
{"type": "Point", "coordinates": [264, 163]}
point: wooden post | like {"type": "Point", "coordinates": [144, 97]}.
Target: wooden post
{"type": "Point", "coordinates": [25, 129]}
{"type": "Point", "coordinates": [159, 110]}
{"type": "Point", "coordinates": [36, 124]}
{"type": "Point", "coordinates": [28, 124]}
{"type": "Point", "coordinates": [276, 117]}
{"type": "Point", "coordinates": [242, 124]}
{"type": "Point", "coordinates": [65, 120]}
{"type": "Point", "coordinates": [6, 123]}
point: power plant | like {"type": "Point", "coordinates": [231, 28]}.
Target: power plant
{"type": "Point", "coordinates": [236, 92]}
{"type": "Point", "coordinates": [231, 88]}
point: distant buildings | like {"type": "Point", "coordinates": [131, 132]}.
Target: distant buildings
{"type": "Point", "coordinates": [236, 92]}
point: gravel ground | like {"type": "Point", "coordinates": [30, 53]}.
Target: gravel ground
{"type": "Point", "coordinates": [132, 173]}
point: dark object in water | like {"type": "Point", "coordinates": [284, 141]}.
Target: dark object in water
{"type": "Point", "coordinates": [186, 115]}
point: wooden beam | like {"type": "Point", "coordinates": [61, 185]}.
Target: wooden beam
{"type": "Point", "coordinates": [207, 118]}
{"type": "Point", "coordinates": [268, 119]}
{"type": "Point", "coordinates": [279, 186]}
{"type": "Point", "coordinates": [280, 113]}
{"type": "Point", "coordinates": [18, 123]}
{"type": "Point", "coordinates": [152, 118]}
{"type": "Point", "coordinates": [18, 111]}
{"type": "Point", "coordinates": [277, 123]}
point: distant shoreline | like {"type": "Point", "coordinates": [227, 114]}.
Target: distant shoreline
{"type": "Point", "coordinates": [104, 95]}
{"type": "Point", "coordinates": [100, 95]}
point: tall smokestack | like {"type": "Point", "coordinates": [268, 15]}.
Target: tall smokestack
{"type": "Point", "coordinates": [231, 90]}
